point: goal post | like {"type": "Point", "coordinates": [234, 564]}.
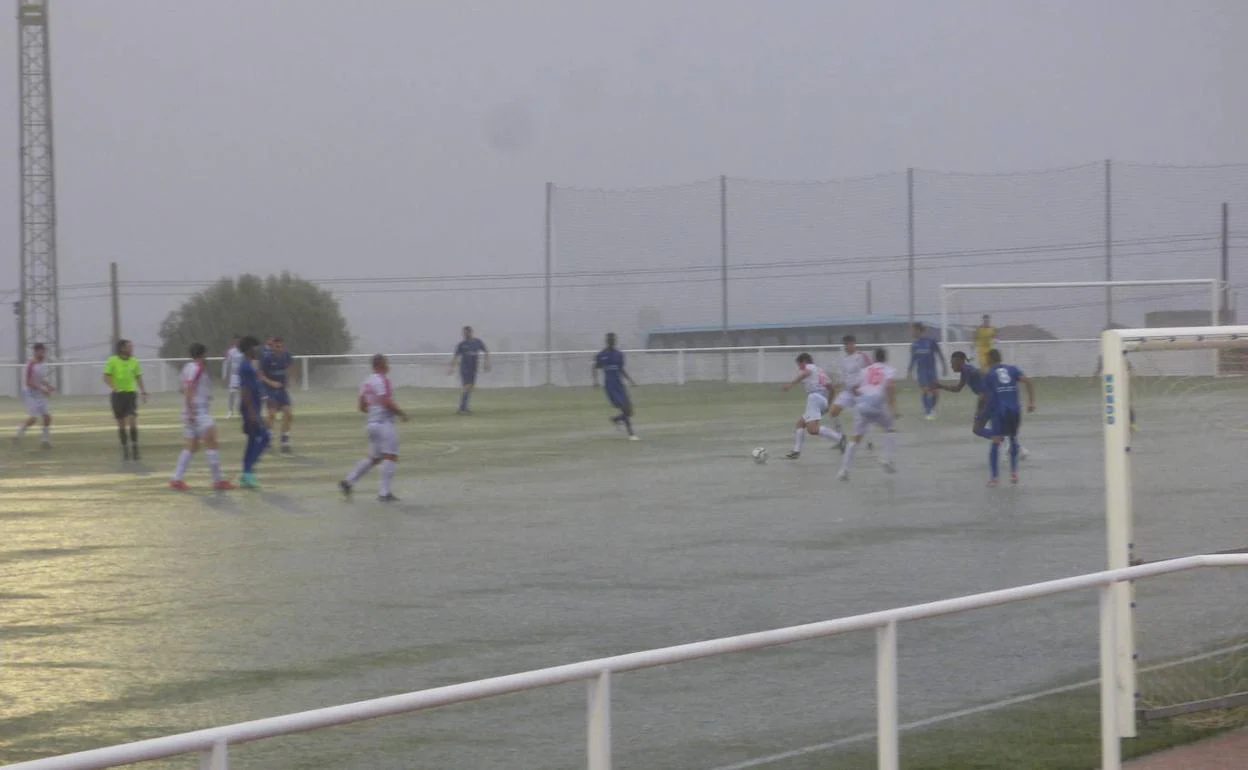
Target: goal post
{"type": "Point", "coordinates": [1192, 285]}
{"type": "Point", "coordinates": [1119, 513]}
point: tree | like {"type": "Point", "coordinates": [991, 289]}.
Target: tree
{"type": "Point", "coordinates": [303, 314]}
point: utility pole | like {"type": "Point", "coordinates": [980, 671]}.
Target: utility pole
{"type": "Point", "coordinates": [114, 289]}
{"type": "Point", "coordinates": [40, 311]}
{"type": "Point", "coordinates": [1226, 265]}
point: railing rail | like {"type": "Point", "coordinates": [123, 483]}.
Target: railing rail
{"type": "Point", "coordinates": [213, 743]}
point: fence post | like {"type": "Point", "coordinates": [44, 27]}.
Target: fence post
{"type": "Point", "coordinates": [164, 375]}
{"type": "Point", "coordinates": [64, 380]}
{"type": "Point", "coordinates": [217, 758]}
{"type": "Point", "coordinates": [600, 722]}
{"type": "Point", "coordinates": [888, 742]}
{"type": "Point", "coordinates": [303, 373]}
{"type": "Point", "coordinates": [1111, 746]}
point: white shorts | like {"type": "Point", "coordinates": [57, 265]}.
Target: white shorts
{"type": "Point", "coordinates": [845, 399]}
{"type": "Point", "coordinates": [36, 404]}
{"type": "Point", "coordinates": [233, 382]}
{"type": "Point", "coordinates": [203, 421]}
{"type": "Point", "coordinates": [816, 405]}
{"type": "Point", "coordinates": [865, 418]}
{"type": "Point", "coordinates": [383, 439]}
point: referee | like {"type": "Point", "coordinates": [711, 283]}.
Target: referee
{"type": "Point", "coordinates": [122, 372]}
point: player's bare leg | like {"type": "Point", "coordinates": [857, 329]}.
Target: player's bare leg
{"type": "Point", "coordinates": [288, 417]}
{"type": "Point", "coordinates": [23, 427]}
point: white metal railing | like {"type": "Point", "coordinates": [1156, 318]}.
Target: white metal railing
{"type": "Point", "coordinates": [213, 743]}
{"type": "Point", "coordinates": [673, 366]}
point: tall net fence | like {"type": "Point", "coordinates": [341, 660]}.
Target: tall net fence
{"type": "Point", "coordinates": [746, 254]}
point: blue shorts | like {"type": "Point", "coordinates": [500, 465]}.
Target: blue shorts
{"type": "Point", "coordinates": [468, 376]}
{"type": "Point", "coordinates": [1006, 422]}
{"type": "Point", "coordinates": [618, 396]}
{"type": "Point", "coordinates": [279, 397]}
{"type": "Point", "coordinates": [926, 379]}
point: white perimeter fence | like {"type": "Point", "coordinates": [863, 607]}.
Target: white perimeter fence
{"type": "Point", "coordinates": [678, 366]}
{"type": "Point", "coordinates": [213, 743]}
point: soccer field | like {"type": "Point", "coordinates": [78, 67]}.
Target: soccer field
{"type": "Point", "coordinates": [532, 534]}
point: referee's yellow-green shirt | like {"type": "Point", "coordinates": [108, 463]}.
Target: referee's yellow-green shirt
{"type": "Point", "coordinates": [124, 371]}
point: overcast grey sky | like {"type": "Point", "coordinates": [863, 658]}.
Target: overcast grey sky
{"type": "Point", "coordinates": [396, 138]}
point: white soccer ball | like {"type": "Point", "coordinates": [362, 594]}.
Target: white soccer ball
{"type": "Point", "coordinates": [759, 455]}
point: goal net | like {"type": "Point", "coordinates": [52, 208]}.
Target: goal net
{"type": "Point", "coordinates": [1174, 487]}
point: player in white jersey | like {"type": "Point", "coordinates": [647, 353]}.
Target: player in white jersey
{"type": "Point", "coordinates": [198, 427]}
{"type": "Point", "coordinates": [376, 400]}
{"type": "Point", "coordinates": [35, 391]}
{"type": "Point", "coordinates": [876, 405]}
{"type": "Point", "coordinates": [230, 361]}
{"type": "Point", "coordinates": [817, 385]}
{"type": "Point", "coordinates": [852, 362]}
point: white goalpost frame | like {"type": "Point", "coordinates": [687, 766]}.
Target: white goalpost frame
{"type": "Point", "coordinates": [1214, 284]}
{"type": "Point", "coordinates": [1119, 514]}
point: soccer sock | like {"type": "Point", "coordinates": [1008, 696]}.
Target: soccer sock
{"type": "Point", "coordinates": [1014, 447]}
{"type": "Point", "coordinates": [47, 432]}
{"type": "Point", "coordinates": [829, 434]}
{"type": "Point", "coordinates": [285, 438]}
{"type": "Point", "coordinates": [463, 400]}
{"type": "Point", "coordinates": [21, 430]}
{"type": "Point", "coordinates": [927, 404]}
{"type": "Point", "coordinates": [387, 475]}
{"type": "Point", "coordinates": [799, 436]}
{"type": "Point", "coordinates": [890, 446]}
{"type": "Point", "coordinates": [134, 436]}
{"type": "Point", "coordinates": [121, 434]}
{"type": "Point", "coordinates": [214, 463]}
{"type": "Point", "coordinates": [184, 460]}
{"type": "Point", "coordinates": [994, 459]}
{"type": "Point", "coordinates": [628, 423]}
{"type": "Point", "coordinates": [362, 467]}
{"type": "Point", "coordinates": [249, 451]}
{"type": "Point", "coordinates": [850, 451]}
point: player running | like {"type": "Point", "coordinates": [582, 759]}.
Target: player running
{"type": "Point", "coordinates": [876, 405]}
{"type": "Point", "coordinates": [251, 386]}
{"type": "Point", "coordinates": [924, 353]}
{"type": "Point", "coordinates": [230, 361]}
{"type": "Point", "coordinates": [466, 353]}
{"type": "Point", "coordinates": [276, 365]}
{"type": "Point", "coordinates": [1001, 381]}
{"type": "Point", "coordinates": [35, 392]}
{"type": "Point", "coordinates": [611, 361]}
{"type": "Point", "coordinates": [985, 335]}
{"type": "Point", "coordinates": [377, 401]}
{"type": "Point", "coordinates": [122, 373]}
{"type": "Point", "coordinates": [973, 378]}
{"type": "Point", "coordinates": [816, 383]}
{"type": "Point", "coordinates": [198, 426]}
{"type": "Point", "coordinates": [853, 362]}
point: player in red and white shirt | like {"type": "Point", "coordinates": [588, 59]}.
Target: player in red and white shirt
{"type": "Point", "coordinates": [198, 427]}
{"type": "Point", "coordinates": [853, 362]}
{"type": "Point", "coordinates": [377, 401]}
{"type": "Point", "coordinates": [35, 391]}
{"type": "Point", "coordinates": [876, 405]}
{"type": "Point", "coordinates": [817, 385]}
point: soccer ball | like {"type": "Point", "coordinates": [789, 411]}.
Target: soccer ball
{"type": "Point", "coordinates": [759, 455]}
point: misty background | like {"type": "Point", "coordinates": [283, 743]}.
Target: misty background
{"type": "Point", "coordinates": [397, 153]}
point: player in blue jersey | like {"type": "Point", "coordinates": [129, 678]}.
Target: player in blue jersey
{"type": "Point", "coordinates": [276, 364]}
{"type": "Point", "coordinates": [611, 361]}
{"type": "Point", "coordinates": [466, 354]}
{"type": "Point", "coordinates": [251, 388]}
{"type": "Point", "coordinates": [971, 377]}
{"type": "Point", "coordinates": [924, 354]}
{"type": "Point", "coordinates": [1001, 381]}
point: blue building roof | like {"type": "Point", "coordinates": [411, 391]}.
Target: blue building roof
{"type": "Point", "coordinates": [841, 321]}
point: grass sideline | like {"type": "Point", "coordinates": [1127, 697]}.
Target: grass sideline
{"type": "Point", "coordinates": [533, 428]}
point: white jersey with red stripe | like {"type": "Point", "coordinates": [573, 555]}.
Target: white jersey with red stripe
{"type": "Point", "coordinates": [375, 390]}
{"type": "Point", "coordinates": [852, 367]}
{"type": "Point", "coordinates": [816, 380]}
{"type": "Point", "coordinates": [195, 380]}
{"type": "Point", "coordinates": [873, 390]}
{"type": "Point", "coordinates": [35, 379]}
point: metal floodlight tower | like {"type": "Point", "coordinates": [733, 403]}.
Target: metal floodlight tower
{"type": "Point", "coordinates": [39, 309]}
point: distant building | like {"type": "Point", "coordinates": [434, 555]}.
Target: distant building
{"type": "Point", "coordinates": [869, 330]}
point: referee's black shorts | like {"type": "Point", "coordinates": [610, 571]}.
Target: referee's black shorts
{"type": "Point", "coordinates": [125, 404]}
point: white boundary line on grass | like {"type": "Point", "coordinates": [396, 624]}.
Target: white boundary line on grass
{"type": "Point", "coordinates": [929, 721]}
